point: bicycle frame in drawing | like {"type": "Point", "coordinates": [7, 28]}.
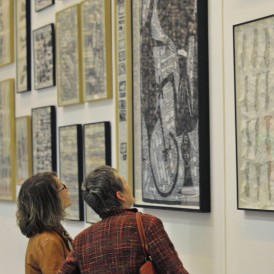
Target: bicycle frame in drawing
{"type": "Point", "coordinates": [171, 104]}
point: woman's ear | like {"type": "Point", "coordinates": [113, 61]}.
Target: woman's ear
{"type": "Point", "coordinates": [120, 196]}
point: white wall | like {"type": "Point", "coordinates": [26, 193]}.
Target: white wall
{"type": "Point", "coordinates": [250, 237]}
{"type": "Point", "coordinates": [225, 241]}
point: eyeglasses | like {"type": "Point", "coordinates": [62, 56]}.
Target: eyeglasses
{"type": "Point", "coordinates": [62, 187]}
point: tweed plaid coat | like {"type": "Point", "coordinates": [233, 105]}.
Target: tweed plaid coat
{"type": "Point", "coordinates": [113, 246]}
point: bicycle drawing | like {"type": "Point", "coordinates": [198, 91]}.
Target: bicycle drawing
{"type": "Point", "coordinates": [169, 102]}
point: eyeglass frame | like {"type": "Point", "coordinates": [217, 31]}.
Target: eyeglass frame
{"type": "Point", "coordinates": [63, 187]}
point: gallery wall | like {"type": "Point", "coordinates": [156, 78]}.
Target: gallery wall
{"type": "Point", "coordinates": [225, 241]}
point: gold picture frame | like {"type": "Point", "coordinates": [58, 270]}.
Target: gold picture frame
{"type": "Point", "coordinates": [7, 140]}
{"type": "Point", "coordinates": [96, 49]}
{"type": "Point", "coordinates": [6, 32]}
{"type": "Point", "coordinates": [23, 149]}
{"type": "Point", "coordinates": [123, 76]}
{"type": "Point", "coordinates": [68, 56]}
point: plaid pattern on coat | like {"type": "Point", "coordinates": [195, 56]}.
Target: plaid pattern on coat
{"type": "Point", "coordinates": [113, 246]}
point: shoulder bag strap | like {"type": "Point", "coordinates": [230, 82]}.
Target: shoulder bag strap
{"type": "Point", "coordinates": [142, 235]}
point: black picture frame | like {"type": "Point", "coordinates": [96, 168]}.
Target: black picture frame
{"type": "Point", "coordinates": [44, 57]}
{"type": "Point", "coordinates": [253, 84]}
{"type": "Point", "coordinates": [43, 4]}
{"type": "Point", "coordinates": [23, 46]}
{"type": "Point", "coordinates": [97, 151]}
{"type": "Point", "coordinates": [43, 128]}
{"type": "Point", "coordinates": [71, 168]}
{"type": "Point", "coordinates": [171, 105]}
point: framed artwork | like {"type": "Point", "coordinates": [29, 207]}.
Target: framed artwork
{"type": "Point", "coordinates": [254, 105]}
{"type": "Point", "coordinates": [97, 152]}
{"type": "Point", "coordinates": [7, 140]}
{"type": "Point", "coordinates": [171, 105]}
{"type": "Point", "coordinates": [43, 139]}
{"type": "Point", "coordinates": [96, 49]}
{"type": "Point", "coordinates": [6, 32]}
{"type": "Point", "coordinates": [123, 76]}
{"type": "Point", "coordinates": [71, 168]}
{"type": "Point", "coordinates": [68, 54]}
{"type": "Point", "coordinates": [23, 149]}
{"type": "Point", "coordinates": [44, 57]}
{"type": "Point", "coordinates": [42, 4]}
{"type": "Point", "coordinates": [23, 45]}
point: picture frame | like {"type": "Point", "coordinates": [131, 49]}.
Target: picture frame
{"type": "Point", "coordinates": [43, 127]}
{"type": "Point", "coordinates": [253, 79]}
{"type": "Point", "coordinates": [23, 46]}
{"type": "Point", "coordinates": [68, 56]}
{"type": "Point", "coordinates": [96, 49]}
{"type": "Point", "coordinates": [7, 140]}
{"type": "Point", "coordinates": [123, 99]}
{"type": "Point", "coordinates": [44, 57]}
{"type": "Point", "coordinates": [6, 32]}
{"type": "Point", "coordinates": [71, 168]}
{"type": "Point", "coordinates": [23, 149]}
{"type": "Point", "coordinates": [171, 105]}
{"type": "Point", "coordinates": [42, 4]}
{"type": "Point", "coordinates": [97, 152]}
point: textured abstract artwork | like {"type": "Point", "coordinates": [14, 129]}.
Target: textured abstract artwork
{"type": "Point", "coordinates": [171, 104]}
{"type": "Point", "coordinates": [254, 102]}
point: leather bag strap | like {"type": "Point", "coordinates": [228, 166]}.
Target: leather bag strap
{"type": "Point", "coordinates": [142, 235]}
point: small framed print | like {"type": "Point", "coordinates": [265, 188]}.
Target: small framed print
{"type": "Point", "coordinates": [43, 139]}
{"type": "Point", "coordinates": [68, 53]}
{"type": "Point", "coordinates": [44, 57]}
{"type": "Point", "coordinates": [42, 4]}
{"type": "Point", "coordinates": [7, 140]}
{"type": "Point", "coordinates": [71, 168]}
{"type": "Point", "coordinates": [97, 152]}
{"type": "Point", "coordinates": [96, 49]}
{"type": "Point", "coordinates": [23, 45]}
{"type": "Point", "coordinates": [6, 32]}
{"type": "Point", "coordinates": [23, 149]}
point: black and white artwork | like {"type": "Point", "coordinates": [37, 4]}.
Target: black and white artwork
{"type": "Point", "coordinates": [69, 84]}
{"type": "Point", "coordinates": [97, 152]}
{"type": "Point", "coordinates": [23, 149]}
{"type": "Point", "coordinates": [96, 53]}
{"type": "Point", "coordinates": [23, 45]}
{"type": "Point", "coordinates": [42, 4]}
{"type": "Point", "coordinates": [71, 167]}
{"type": "Point", "coordinates": [43, 139]}
{"type": "Point", "coordinates": [171, 116]}
{"type": "Point", "coordinates": [44, 57]}
{"type": "Point", "coordinates": [254, 103]}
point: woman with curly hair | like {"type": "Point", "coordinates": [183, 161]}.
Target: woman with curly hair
{"type": "Point", "coordinates": [40, 209]}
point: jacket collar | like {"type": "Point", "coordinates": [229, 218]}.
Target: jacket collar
{"type": "Point", "coordinates": [117, 211]}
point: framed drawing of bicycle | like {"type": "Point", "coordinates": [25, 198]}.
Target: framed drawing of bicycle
{"type": "Point", "coordinates": [171, 105]}
{"type": "Point", "coordinates": [254, 104]}
{"type": "Point", "coordinates": [123, 76]}
{"type": "Point", "coordinates": [43, 128]}
{"type": "Point", "coordinates": [7, 140]}
{"type": "Point", "coordinates": [71, 168]}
